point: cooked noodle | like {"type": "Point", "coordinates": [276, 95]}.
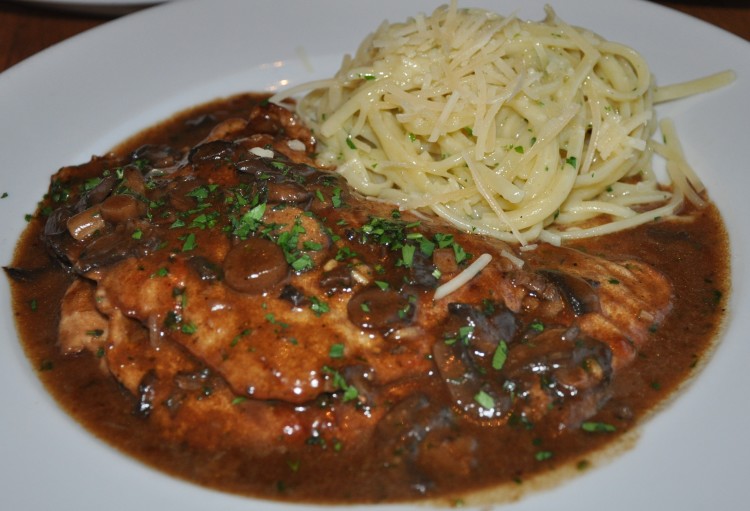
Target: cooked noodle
{"type": "Point", "coordinates": [515, 129]}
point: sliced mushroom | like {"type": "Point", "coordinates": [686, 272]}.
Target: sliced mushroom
{"type": "Point", "coordinates": [378, 309]}
{"type": "Point", "coordinates": [255, 266]}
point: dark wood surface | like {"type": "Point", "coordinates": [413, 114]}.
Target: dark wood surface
{"type": "Point", "coordinates": [26, 29]}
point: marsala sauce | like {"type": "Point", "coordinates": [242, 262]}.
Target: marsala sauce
{"type": "Point", "coordinates": [694, 256]}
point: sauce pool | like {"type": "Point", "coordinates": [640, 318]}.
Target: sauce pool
{"type": "Point", "coordinates": [693, 254]}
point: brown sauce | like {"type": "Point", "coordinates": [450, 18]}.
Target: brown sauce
{"type": "Point", "coordinates": [692, 254]}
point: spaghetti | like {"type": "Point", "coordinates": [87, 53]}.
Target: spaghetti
{"type": "Point", "coordinates": [515, 129]}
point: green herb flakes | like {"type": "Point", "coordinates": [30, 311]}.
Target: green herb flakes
{"type": "Point", "coordinates": [500, 356]}
{"type": "Point", "coordinates": [485, 400]}
{"type": "Point", "coordinates": [188, 328]}
{"type": "Point", "coordinates": [543, 455]}
{"type": "Point", "coordinates": [189, 242]}
{"type": "Point", "coordinates": [336, 351]}
{"type": "Point", "coordinates": [318, 306]}
{"type": "Point", "coordinates": [339, 382]}
{"type": "Point", "coordinates": [336, 198]}
{"type": "Point", "coordinates": [598, 427]}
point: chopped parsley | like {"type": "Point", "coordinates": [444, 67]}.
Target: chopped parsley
{"type": "Point", "coordinates": [288, 241]}
{"type": "Point", "coordinates": [407, 255]}
{"type": "Point", "coordinates": [336, 351]}
{"type": "Point", "coordinates": [400, 236]}
{"type": "Point", "coordinates": [336, 198]}
{"type": "Point", "coordinates": [543, 455]}
{"type": "Point", "coordinates": [485, 400]}
{"type": "Point", "coordinates": [382, 285]}
{"type": "Point", "coordinates": [271, 318]}
{"type": "Point", "coordinates": [500, 355]}
{"type": "Point", "coordinates": [537, 326]}
{"type": "Point", "coordinates": [161, 272]}
{"type": "Point", "coordinates": [249, 222]}
{"type": "Point", "coordinates": [344, 253]}
{"type": "Point", "coordinates": [598, 427]}
{"type": "Point", "coordinates": [339, 382]}
{"type": "Point", "coordinates": [463, 335]}
{"type": "Point", "coordinates": [189, 242]}
{"type": "Point", "coordinates": [188, 328]}
{"type": "Point", "coordinates": [201, 193]}
{"type": "Point", "coordinates": [318, 306]}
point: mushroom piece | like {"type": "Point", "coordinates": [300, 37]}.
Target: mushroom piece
{"type": "Point", "coordinates": [254, 266]}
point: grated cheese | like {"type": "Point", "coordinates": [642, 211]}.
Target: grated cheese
{"type": "Point", "coordinates": [262, 152]}
{"type": "Point", "coordinates": [464, 277]}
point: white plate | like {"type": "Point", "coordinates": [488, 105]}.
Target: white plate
{"type": "Point", "coordinates": [83, 96]}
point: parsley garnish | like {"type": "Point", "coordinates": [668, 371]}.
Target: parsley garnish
{"type": "Point", "coordinates": [500, 356]}
{"type": "Point", "coordinates": [249, 222]}
{"type": "Point", "coordinates": [161, 272]}
{"type": "Point", "coordinates": [318, 306]}
{"type": "Point", "coordinates": [350, 392]}
{"type": "Point", "coordinates": [407, 255]}
{"type": "Point", "coordinates": [543, 455]}
{"type": "Point", "coordinates": [336, 198]}
{"type": "Point", "coordinates": [189, 242]}
{"type": "Point", "coordinates": [302, 263]}
{"type": "Point", "coordinates": [463, 335]}
{"type": "Point", "coordinates": [597, 427]}
{"type": "Point", "coordinates": [188, 328]}
{"type": "Point", "coordinates": [344, 253]}
{"type": "Point", "coordinates": [237, 338]}
{"type": "Point", "coordinates": [485, 400]}
{"type": "Point", "coordinates": [336, 351]}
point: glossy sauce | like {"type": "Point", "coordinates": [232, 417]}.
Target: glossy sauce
{"type": "Point", "coordinates": [693, 255]}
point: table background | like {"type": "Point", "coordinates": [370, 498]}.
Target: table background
{"type": "Point", "coordinates": [26, 29]}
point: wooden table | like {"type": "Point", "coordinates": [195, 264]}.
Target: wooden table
{"type": "Point", "coordinates": [28, 29]}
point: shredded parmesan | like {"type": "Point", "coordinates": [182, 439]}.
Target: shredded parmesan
{"type": "Point", "coordinates": [296, 145]}
{"type": "Point", "coordinates": [360, 277]}
{"type": "Point", "coordinates": [517, 261]}
{"type": "Point", "coordinates": [464, 277]}
{"type": "Point", "coordinates": [262, 152]}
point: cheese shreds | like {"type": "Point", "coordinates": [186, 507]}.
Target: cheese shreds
{"type": "Point", "coordinates": [464, 277]}
{"type": "Point", "coordinates": [517, 261]}
{"type": "Point", "coordinates": [262, 152]}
